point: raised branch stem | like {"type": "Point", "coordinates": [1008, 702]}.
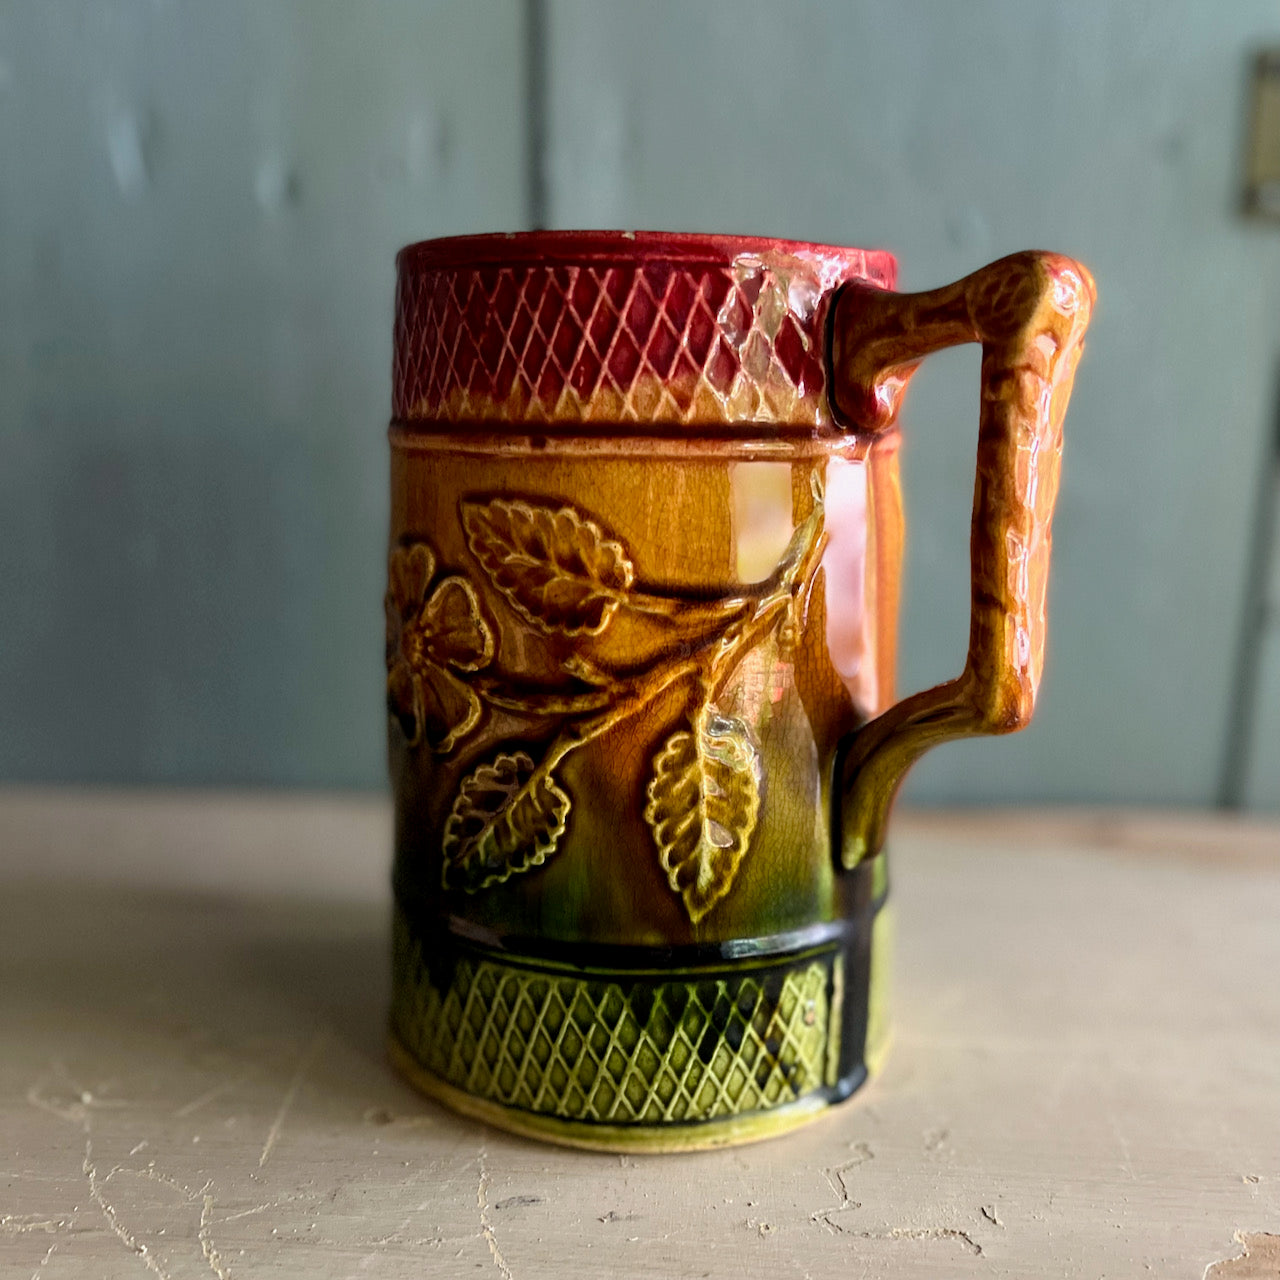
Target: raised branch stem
{"type": "Point", "coordinates": [715, 655]}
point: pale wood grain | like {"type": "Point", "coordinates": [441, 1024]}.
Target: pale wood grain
{"type": "Point", "coordinates": [192, 1079]}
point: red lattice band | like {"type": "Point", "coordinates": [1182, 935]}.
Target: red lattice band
{"type": "Point", "coordinates": [608, 327]}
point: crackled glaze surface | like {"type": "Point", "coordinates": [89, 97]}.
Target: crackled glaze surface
{"type": "Point", "coordinates": [641, 620]}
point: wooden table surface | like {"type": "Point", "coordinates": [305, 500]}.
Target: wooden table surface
{"type": "Point", "coordinates": [1084, 1082]}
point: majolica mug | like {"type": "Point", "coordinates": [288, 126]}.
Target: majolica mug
{"type": "Point", "coordinates": [646, 534]}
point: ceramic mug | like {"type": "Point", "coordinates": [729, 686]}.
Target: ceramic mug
{"type": "Point", "coordinates": [646, 536]}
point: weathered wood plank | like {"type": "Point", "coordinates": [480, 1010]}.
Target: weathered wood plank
{"type": "Point", "coordinates": [192, 1082]}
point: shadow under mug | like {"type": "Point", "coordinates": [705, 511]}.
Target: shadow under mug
{"type": "Point", "coordinates": [646, 537]}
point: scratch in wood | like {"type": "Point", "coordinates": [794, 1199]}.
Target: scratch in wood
{"type": "Point", "coordinates": [80, 1112]}
{"type": "Point", "coordinates": [204, 1235]}
{"type": "Point", "coordinates": [486, 1227]}
{"type": "Point", "coordinates": [397, 1237]}
{"type": "Point", "coordinates": [75, 1112]}
{"type": "Point", "coordinates": [152, 1174]}
{"type": "Point", "coordinates": [44, 1262]}
{"type": "Point", "coordinates": [290, 1094]}
{"type": "Point", "coordinates": [14, 1224]}
{"type": "Point", "coordinates": [84, 1112]}
{"type": "Point", "coordinates": [87, 1096]}
{"type": "Point", "coordinates": [835, 1176]}
{"type": "Point", "coordinates": [517, 1202]}
{"type": "Point", "coordinates": [246, 1213]}
{"type": "Point", "coordinates": [921, 1233]}
{"type": "Point", "coordinates": [826, 1217]}
{"type": "Point", "coordinates": [118, 1228]}
{"type": "Point", "coordinates": [209, 1095]}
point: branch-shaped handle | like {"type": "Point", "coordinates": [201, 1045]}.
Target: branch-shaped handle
{"type": "Point", "coordinates": [1030, 312]}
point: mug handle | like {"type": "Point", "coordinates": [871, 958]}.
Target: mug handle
{"type": "Point", "coordinates": [1029, 311]}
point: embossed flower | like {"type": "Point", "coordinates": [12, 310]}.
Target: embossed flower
{"type": "Point", "coordinates": [433, 632]}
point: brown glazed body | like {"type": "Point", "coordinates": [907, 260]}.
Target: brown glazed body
{"type": "Point", "coordinates": [645, 552]}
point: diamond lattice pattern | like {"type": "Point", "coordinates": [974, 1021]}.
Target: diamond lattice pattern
{"type": "Point", "coordinates": [659, 342]}
{"type": "Point", "coordinates": [648, 1052]}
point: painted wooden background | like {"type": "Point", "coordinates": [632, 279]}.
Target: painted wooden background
{"type": "Point", "coordinates": [198, 215]}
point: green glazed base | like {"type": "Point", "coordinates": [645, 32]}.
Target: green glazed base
{"type": "Point", "coordinates": [729, 1131]}
{"type": "Point", "coordinates": [655, 1057]}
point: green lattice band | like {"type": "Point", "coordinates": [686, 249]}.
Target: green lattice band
{"type": "Point", "coordinates": [619, 1049]}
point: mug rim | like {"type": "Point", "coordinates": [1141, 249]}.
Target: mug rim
{"type": "Point", "coordinates": [578, 246]}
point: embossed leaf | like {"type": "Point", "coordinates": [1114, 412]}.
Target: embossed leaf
{"type": "Point", "coordinates": [508, 817]}
{"type": "Point", "coordinates": [555, 567]}
{"type": "Point", "coordinates": [704, 799]}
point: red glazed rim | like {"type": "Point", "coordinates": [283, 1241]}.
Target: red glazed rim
{"type": "Point", "coordinates": [632, 246]}
{"type": "Point", "coordinates": [590, 329]}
